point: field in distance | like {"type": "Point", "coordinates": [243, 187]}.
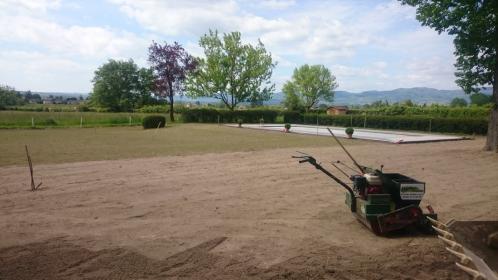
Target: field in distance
{"type": "Point", "coordinates": [60, 145]}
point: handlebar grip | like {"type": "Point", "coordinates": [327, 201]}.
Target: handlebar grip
{"type": "Point", "coordinates": [304, 160]}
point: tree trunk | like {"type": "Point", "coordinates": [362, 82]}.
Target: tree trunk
{"type": "Point", "coordinates": [171, 100]}
{"type": "Point", "coordinates": [232, 106]}
{"type": "Point", "coordinates": [171, 110]}
{"type": "Point", "coordinates": [492, 139]}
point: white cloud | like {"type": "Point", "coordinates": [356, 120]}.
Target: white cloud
{"type": "Point", "coordinates": [373, 75]}
{"type": "Point", "coordinates": [42, 72]}
{"type": "Point", "coordinates": [343, 35]}
{"type": "Point", "coordinates": [72, 40]}
{"type": "Point", "coordinates": [181, 17]}
{"type": "Point", "coordinates": [432, 72]}
{"type": "Point", "coordinates": [34, 6]}
{"type": "Point", "coordinates": [277, 4]}
{"type": "Point", "coordinates": [44, 52]}
{"type": "Point", "coordinates": [317, 34]}
{"type": "Point", "coordinates": [324, 32]}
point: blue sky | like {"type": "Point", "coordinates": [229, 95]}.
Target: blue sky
{"type": "Point", "coordinates": [56, 45]}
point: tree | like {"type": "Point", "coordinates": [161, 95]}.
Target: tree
{"type": "Point", "coordinates": [474, 25]}
{"type": "Point", "coordinates": [145, 88]}
{"type": "Point", "coordinates": [171, 65]}
{"type": "Point", "coordinates": [9, 97]}
{"type": "Point", "coordinates": [309, 84]}
{"type": "Point", "coordinates": [458, 102]}
{"type": "Point", "coordinates": [121, 86]}
{"type": "Point", "coordinates": [480, 99]}
{"type": "Point", "coordinates": [36, 98]}
{"type": "Point", "coordinates": [232, 71]}
{"type": "Point", "coordinates": [292, 101]}
{"type": "Point", "coordinates": [408, 103]}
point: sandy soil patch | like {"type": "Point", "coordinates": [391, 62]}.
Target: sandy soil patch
{"type": "Point", "coordinates": [254, 215]}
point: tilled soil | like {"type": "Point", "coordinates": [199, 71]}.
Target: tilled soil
{"type": "Point", "coordinates": [250, 215]}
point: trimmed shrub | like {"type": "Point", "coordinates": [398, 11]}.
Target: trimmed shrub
{"type": "Point", "coordinates": [153, 121]}
{"type": "Point", "coordinates": [420, 123]}
{"type": "Point", "coordinates": [154, 109]}
{"type": "Point", "coordinates": [433, 111]}
{"type": "Point", "coordinates": [208, 115]}
{"type": "Point", "coordinates": [292, 117]}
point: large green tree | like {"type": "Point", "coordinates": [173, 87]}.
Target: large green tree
{"type": "Point", "coordinates": [10, 97]}
{"type": "Point", "coordinates": [474, 24]}
{"type": "Point", "coordinates": [122, 86]}
{"type": "Point", "coordinates": [458, 102]}
{"type": "Point", "coordinates": [232, 71]}
{"type": "Point", "coordinates": [309, 85]}
{"type": "Point", "coordinates": [480, 99]}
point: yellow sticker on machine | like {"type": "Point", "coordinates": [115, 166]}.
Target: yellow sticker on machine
{"type": "Point", "coordinates": [412, 191]}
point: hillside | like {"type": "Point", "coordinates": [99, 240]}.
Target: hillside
{"type": "Point", "coordinates": [418, 95]}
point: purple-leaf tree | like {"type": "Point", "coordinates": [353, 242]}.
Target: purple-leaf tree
{"type": "Point", "coordinates": [171, 65]}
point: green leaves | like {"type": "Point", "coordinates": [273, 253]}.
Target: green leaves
{"type": "Point", "coordinates": [309, 84]}
{"type": "Point", "coordinates": [121, 86]}
{"type": "Point", "coordinates": [232, 71]}
{"type": "Point", "coordinates": [9, 96]}
{"type": "Point", "coordinates": [474, 25]}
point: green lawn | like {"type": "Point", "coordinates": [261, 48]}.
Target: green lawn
{"type": "Point", "coordinates": [22, 119]}
{"type": "Point", "coordinates": [57, 145]}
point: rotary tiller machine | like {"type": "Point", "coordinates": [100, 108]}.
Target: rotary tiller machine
{"type": "Point", "coordinates": [384, 202]}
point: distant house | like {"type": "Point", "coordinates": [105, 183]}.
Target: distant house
{"type": "Point", "coordinates": [48, 101]}
{"type": "Point", "coordinates": [337, 110]}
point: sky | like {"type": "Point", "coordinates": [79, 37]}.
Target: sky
{"type": "Point", "coordinates": [56, 45]}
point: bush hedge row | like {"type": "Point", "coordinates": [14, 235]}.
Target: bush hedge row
{"type": "Point", "coordinates": [421, 123]}
{"type": "Point", "coordinates": [153, 121]}
{"type": "Point", "coordinates": [433, 111]}
{"type": "Point", "coordinates": [468, 125]}
{"type": "Point", "coordinates": [154, 109]}
{"type": "Point", "coordinates": [207, 115]}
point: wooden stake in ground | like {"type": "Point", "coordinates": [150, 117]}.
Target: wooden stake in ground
{"type": "Point", "coordinates": [33, 186]}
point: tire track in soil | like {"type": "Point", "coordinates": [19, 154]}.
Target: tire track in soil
{"type": "Point", "coordinates": [60, 259]}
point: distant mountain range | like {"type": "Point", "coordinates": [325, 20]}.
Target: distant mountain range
{"type": "Point", "coordinates": [418, 95]}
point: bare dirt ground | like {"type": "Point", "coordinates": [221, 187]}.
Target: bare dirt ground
{"type": "Point", "coordinates": [242, 215]}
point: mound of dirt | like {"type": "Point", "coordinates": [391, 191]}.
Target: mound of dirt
{"type": "Point", "coordinates": [473, 235]}
{"type": "Point", "coordinates": [60, 259]}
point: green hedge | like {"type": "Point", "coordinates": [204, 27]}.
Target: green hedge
{"type": "Point", "coordinates": [153, 122]}
{"type": "Point", "coordinates": [433, 111]}
{"type": "Point", "coordinates": [292, 117]}
{"type": "Point", "coordinates": [207, 115]}
{"type": "Point", "coordinates": [421, 123]}
{"type": "Point", "coordinates": [154, 109]}
{"type": "Point", "coordinates": [468, 125]}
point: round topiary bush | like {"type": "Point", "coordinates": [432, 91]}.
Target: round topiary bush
{"type": "Point", "coordinates": [349, 131]}
{"type": "Point", "coordinates": [287, 127]}
{"type": "Point", "coordinates": [154, 121]}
